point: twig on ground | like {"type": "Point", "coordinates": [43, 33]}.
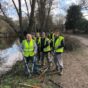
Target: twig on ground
{"type": "Point", "coordinates": [28, 85]}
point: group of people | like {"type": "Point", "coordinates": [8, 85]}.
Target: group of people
{"type": "Point", "coordinates": [42, 47]}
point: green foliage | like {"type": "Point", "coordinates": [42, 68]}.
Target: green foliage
{"type": "Point", "coordinates": [83, 25]}
{"type": "Point", "coordinates": [73, 16]}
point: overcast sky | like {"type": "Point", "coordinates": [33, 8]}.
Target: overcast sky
{"type": "Point", "coordinates": [60, 7]}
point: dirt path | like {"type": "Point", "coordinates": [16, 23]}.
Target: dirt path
{"type": "Point", "coordinates": [83, 40]}
{"type": "Point", "coordinates": [75, 67]}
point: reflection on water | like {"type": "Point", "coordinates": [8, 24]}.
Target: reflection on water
{"type": "Point", "coordinates": [9, 57]}
{"type": "Point", "coordinates": [6, 42]}
{"type": "Point", "coordinates": [10, 53]}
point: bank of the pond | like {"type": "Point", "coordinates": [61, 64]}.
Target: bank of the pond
{"type": "Point", "coordinates": [15, 76]}
{"type": "Point", "coordinates": [6, 42]}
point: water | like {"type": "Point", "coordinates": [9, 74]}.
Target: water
{"type": "Point", "coordinates": [10, 53]}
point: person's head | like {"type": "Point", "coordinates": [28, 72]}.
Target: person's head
{"type": "Point", "coordinates": [25, 33]}
{"type": "Point", "coordinates": [43, 35]}
{"type": "Point", "coordinates": [37, 34]}
{"type": "Point", "coordinates": [33, 35]}
{"type": "Point", "coordinates": [53, 30]}
{"type": "Point", "coordinates": [28, 37]}
{"type": "Point", "coordinates": [57, 33]}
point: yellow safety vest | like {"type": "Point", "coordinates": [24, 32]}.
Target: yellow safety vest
{"type": "Point", "coordinates": [28, 48]}
{"type": "Point", "coordinates": [39, 41]}
{"type": "Point", "coordinates": [58, 43]}
{"type": "Point", "coordinates": [52, 41]}
{"type": "Point", "coordinates": [48, 48]}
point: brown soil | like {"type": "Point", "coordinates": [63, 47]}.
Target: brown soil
{"type": "Point", "coordinates": [75, 68]}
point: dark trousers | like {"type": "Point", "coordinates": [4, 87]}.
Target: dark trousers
{"type": "Point", "coordinates": [29, 59]}
{"type": "Point", "coordinates": [30, 64]}
{"type": "Point", "coordinates": [38, 56]}
{"type": "Point", "coordinates": [47, 57]}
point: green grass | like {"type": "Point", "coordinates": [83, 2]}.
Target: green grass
{"type": "Point", "coordinates": [16, 76]}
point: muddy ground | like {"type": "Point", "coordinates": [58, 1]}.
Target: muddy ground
{"type": "Point", "coordinates": [75, 68]}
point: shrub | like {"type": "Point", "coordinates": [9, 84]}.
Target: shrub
{"type": "Point", "coordinates": [71, 44]}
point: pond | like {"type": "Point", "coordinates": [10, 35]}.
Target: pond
{"type": "Point", "coordinates": [10, 53]}
{"type": "Point", "coordinates": [6, 42]}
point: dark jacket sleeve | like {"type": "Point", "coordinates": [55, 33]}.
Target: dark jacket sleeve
{"type": "Point", "coordinates": [62, 44]}
{"type": "Point", "coordinates": [51, 43]}
{"type": "Point", "coordinates": [47, 43]}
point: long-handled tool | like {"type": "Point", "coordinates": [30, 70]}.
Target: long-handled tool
{"type": "Point", "coordinates": [27, 67]}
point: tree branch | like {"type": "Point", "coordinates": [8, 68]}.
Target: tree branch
{"type": "Point", "coordinates": [27, 9]}
{"type": "Point", "coordinates": [8, 21]}
{"type": "Point", "coordinates": [15, 7]}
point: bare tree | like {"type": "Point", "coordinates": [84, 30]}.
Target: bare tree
{"type": "Point", "coordinates": [19, 12]}
{"type": "Point", "coordinates": [50, 3]}
{"type": "Point", "coordinates": [28, 14]}
{"type": "Point", "coordinates": [5, 18]}
{"type": "Point", "coordinates": [42, 12]}
{"type": "Point", "coordinates": [31, 19]}
{"type": "Point", "coordinates": [44, 9]}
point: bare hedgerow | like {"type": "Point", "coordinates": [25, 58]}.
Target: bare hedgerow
{"type": "Point", "coordinates": [71, 44]}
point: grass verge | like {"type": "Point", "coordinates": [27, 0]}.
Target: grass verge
{"type": "Point", "coordinates": [12, 78]}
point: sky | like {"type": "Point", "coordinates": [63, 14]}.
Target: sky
{"type": "Point", "coordinates": [60, 6]}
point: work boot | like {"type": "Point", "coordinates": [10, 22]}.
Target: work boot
{"type": "Point", "coordinates": [58, 70]}
{"type": "Point", "coordinates": [61, 71]}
